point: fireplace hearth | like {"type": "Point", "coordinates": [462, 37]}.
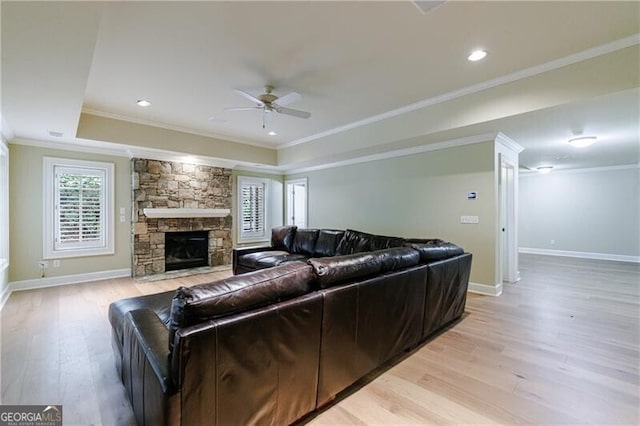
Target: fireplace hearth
{"type": "Point", "coordinates": [184, 250]}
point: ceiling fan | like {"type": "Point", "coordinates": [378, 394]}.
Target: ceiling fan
{"type": "Point", "coordinates": [268, 103]}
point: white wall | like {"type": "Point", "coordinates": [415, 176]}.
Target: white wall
{"type": "Point", "coordinates": [591, 211]}
{"type": "Point", "coordinates": [421, 196]}
{"type": "Point", "coordinates": [26, 217]}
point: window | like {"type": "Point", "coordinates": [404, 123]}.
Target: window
{"type": "Point", "coordinates": [78, 208]}
{"type": "Point", "coordinates": [4, 206]}
{"type": "Point", "coordinates": [252, 199]}
{"type": "Point", "coordinates": [296, 199]}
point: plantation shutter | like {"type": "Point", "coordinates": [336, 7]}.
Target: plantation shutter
{"type": "Point", "coordinates": [79, 208]}
{"type": "Point", "coordinates": [253, 209]}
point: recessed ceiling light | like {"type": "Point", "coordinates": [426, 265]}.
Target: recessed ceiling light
{"type": "Point", "coordinates": [545, 169]}
{"type": "Point", "coordinates": [476, 55]}
{"type": "Point", "coordinates": [582, 141]}
{"type": "Point", "coordinates": [272, 133]}
{"type": "Point", "coordinates": [143, 103]}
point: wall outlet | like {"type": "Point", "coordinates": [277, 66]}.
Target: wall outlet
{"type": "Point", "coordinates": [56, 263]}
{"type": "Point", "coordinates": [469, 219]}
{"type": "Point", "coordinates": [43, 264]}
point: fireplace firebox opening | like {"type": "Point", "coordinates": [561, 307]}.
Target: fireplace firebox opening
{"type": "Point", "coordinates": [184, 250]}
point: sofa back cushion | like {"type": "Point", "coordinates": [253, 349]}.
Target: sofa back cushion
{"type": "Point", "coordinates": [282, 237]}
{"type": "Point", "coordinates": [193, 305]}
{"type": "Point", "coordinates": [331, 271]}
{"type": "Point", "coordinates": [305, 241]}
{"type": "Point", "coordinates": [354, 242]}
{"type": "Point", "coordinates": [432, 250]}
{"type": "Point", "coordinates": [380, 242]}
{"type": "Point", "coordinates": [358, 242]}
{"type": "Point", "coordinates": [395, 258]}
{"type": "Point", "coordinates": [327, 243]}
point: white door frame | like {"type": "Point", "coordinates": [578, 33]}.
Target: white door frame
{"type": "Point", "coordinates": [507, 152]}
{"type": "Point", "coordinates": [288, 184]}
{"type": "Point", "coordinates": [508, 223]}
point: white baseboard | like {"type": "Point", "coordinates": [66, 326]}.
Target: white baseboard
{"type": "Point", "coordinates": [486, 289]}
{"type": "Point", "coordinates": [68, 279]}
{"type": "Point", "coordinates": [4, 296]}
{"type": "Point", "coordinates": [581, 254]}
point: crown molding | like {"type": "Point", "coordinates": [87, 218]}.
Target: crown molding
{"type": "Point", "coordinates": [469, 90]}
{"type": "Point", "coordinates": [451, 143]}
{"type": "Point", "coordinates": [173, 127]}
{"type": "Point", "coordinates": [130, 151]}
{"type": "Point", "coordinates": [535, 173]}
{"type": "Point", "coordinates": [509, 143]}
{"type": "Point", "coordinates": [80, 145]}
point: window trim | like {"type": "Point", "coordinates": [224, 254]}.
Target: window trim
{"type": "Point", "coordinates": [247, 180]}
{"type": "Point", "coordinates": [49, 185]}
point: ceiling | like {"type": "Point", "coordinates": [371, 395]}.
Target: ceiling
{"type": "Point", "coordinates": [357, 65]}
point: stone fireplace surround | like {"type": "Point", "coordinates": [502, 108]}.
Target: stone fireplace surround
{"type": "Point", "coordinates": [174, 185]}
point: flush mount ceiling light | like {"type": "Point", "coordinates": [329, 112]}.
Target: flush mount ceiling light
{"type": "Point", "coordinates": [143, 103]}
{"type": "Point", "coordinates": [545, 169]}
{"type": "Point", "coordinates": [477, 55]}
{"type": "Point", "coordinates": [582, 141]}
{"type": "Point", "coordinates": [272, 133]}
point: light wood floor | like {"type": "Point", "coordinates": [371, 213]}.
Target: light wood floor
{"type": "Point", "coordinates": [561, 346]}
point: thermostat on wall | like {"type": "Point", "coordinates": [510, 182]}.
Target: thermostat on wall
{"type": "Point", "coordinates": [473, 195]}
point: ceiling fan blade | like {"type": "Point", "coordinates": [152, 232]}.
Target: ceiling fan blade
{"type": "Point", "coordinates": [243, 108]}
{"type": "Point", "coordinates": [249, 96]}
{"type": "Point", "coordinates": [293, 112]}
{"type": "Point", "coordinates": [288, 99]}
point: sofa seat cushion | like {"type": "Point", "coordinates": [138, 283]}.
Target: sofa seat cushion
{"type": "Point", "coordinates": [434, 249]}
{"type": "Point", "coordinates": [395, 258]}
{"type": "Point", "coordinates": [203, 302]}
{"type": "Point", "coordinates": [268, 259]}
{"type": "Point", "coordinates": [331, 271]}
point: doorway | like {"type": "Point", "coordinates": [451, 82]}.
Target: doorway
{"type": "Point", "coordinates": [507, 222]}
{"type": "Point", "coordinates": [296, 203]}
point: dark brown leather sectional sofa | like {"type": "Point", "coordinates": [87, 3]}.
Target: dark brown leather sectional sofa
{"type": "Point", "coordinates": [301, 321]}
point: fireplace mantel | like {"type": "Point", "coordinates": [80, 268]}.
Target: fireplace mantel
{"type": "Point", "coordinates": [183, 213]}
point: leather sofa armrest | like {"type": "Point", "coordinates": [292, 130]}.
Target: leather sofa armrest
{"type": "Point", "coordinates": [239, 251]}
{"type": "Point", "coordinates": [145, 329]}
{"type": "Point", "coordinates": [146, 369]}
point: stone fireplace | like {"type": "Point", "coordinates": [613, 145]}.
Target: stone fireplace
{"type": "Point", "coordinates": [178, 197]}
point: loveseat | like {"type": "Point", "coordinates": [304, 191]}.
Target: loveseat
{"type": "Point", "coordinates": [301, 321]}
